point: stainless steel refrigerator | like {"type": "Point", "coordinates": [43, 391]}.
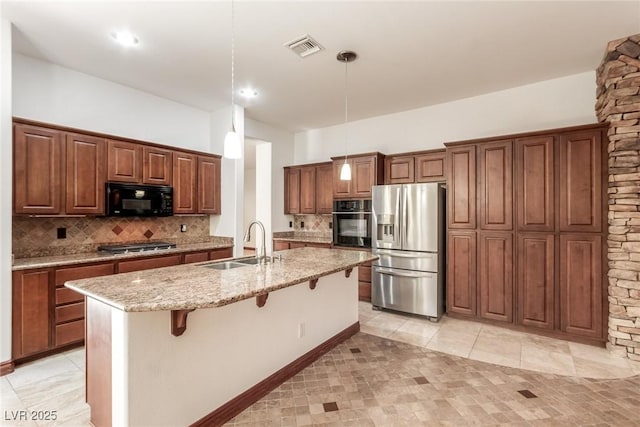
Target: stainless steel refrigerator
{"type": "Point", "coordinates": [408, 237]}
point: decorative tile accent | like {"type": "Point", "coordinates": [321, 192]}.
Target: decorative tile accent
{"type": "Point", "coordinates": [148, 234]}
{"type": "Point", "coordinates": [421, 380]}
{"type": "Point", "coordinates": [330, 406]}
{"type": "Point", "coordinates": [528, 394]}
{"type": "Point", "coordinates": [314, 225]}
{"type": "Point", "coordinates": [117, 230]}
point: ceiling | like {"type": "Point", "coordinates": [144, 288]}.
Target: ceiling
{"type": "Point", "coordinates": [411, 54]}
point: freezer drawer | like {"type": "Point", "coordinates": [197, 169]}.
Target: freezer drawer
{"type": "Point", "coordinates": [416, 292]}
{"type": "Point", "coordinates": [422, 261]}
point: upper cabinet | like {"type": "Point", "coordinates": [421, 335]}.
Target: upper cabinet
{"type": "Point", "coordinates": [37, 170]}
{"type": "Point", "coordinates": [308, 189]}
{"type": "Point", "coordinates": [461, 187]}
{"type": "Point", "coordinates": [85, 174]}
{"type": "Point", "coordinates": [58, 171]}
{"type": "Point", "coordinates": [495, 181]}
{"type": "Point", "coordinates": [424, 166]}
{"type": "Point", "coordinates": [367, 170]}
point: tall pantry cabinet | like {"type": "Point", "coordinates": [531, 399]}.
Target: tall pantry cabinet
{"type": "Point", "coordinates": [525, 230]}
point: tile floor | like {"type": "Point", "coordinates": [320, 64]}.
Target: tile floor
{"type": "Point", "coordinates": [401, 371]}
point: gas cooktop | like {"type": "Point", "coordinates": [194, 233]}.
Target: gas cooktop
{"type": "Point", "coordinates": [135, 247]}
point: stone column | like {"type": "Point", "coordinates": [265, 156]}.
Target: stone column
{"type": "Point", "coordinates": [618, 103]}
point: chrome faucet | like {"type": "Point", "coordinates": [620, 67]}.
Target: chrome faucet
{"type": "Point", "coordinates": [247, 237]}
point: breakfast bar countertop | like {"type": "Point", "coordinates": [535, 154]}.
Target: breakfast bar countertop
{"type": "Point", "coordinates": [90, 257]}
{"type": "Point", "coordinates": [192, 286]}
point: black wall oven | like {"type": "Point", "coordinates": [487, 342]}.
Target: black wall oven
{"type": "Point", "coordinates": [352, 223]}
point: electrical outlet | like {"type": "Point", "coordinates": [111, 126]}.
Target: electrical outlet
{"type": "Point", "coordinates": [301, 330]}
{"type": "Point", "coordinates": [183, 228]}
{"type": "Point", "coordinates": [301, 224]}
{"type": "Point", "coordinates": [330, 225]}
{"type": "Point", "coordinates": [62, 233]}
{"type": "Point", "coordinates": [290, 224]}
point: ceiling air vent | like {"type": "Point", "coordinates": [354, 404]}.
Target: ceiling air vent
{"type": "Point", "coordinates": [304, 46]}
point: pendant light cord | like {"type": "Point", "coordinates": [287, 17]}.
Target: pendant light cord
{"type": "Point", "coordinates": [346, 106]}
{"type": "Point", "coordinates": [233, 68]}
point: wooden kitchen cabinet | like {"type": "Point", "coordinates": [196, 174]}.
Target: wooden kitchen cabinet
{"type": "Point", "coordinates": [196, 257]}
{"type": "Point", "coordinates": [461, 187]}
{"type": "Point", "coordinates": [209, 184]}
{"type": "Point", "coordinates": [495, 181]}
{"type": "Point", "coordinates": [581, 284]}
{"type": "Point", "coordinates": [495, 285]}
{"type": "Point", "coordinates": [308, 190]}
{"type": "Point", "coordinates": [85, 174]}
{"type": "Point", "coordinates": [157, 166]}
{"type": "Point", "coordinates": [367, 170]}
{"type": "Point", "coordinates": [324, 188]}
{"type": "Point", "coordinates": [431, 166]}
{"type": "Point", "coordinates": [364, 282]}
{"type": "Point", "coordinates": [461, 272]}
{"type": "Point", "coordinates": [536, 280]}
{"type": "Point", "coordinates": [37, 168]}
{"type": "Point", "coordinates": [124, 161]}
{"type": "Point", "coordinates": [292, 190]}
{"type": "Point", "coordinates": [149, 263]}
{"type": "Point", "coordinates": [399, 169]}
{"type": "Point", "coordinates": [279, 245]}
{"type": "Point", "coordinates": [221, 253]}
{"type": "Point", "coordinates": [32, 294]}
{"type": "Point", "coordinates": [581, 181]}
{"type": "Point", "coordinates": [535, 183]}
{"type": "Point", "coordinates": [185, 170]}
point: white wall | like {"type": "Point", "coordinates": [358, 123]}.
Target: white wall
{"type": "Point", "coordinates": [549, 104]}
{"type": "Point", "coordinates": [250, 203]}
{"type": "Point", "coordinates": [6, 177]}
{"type": "Point", "coordinates": [282, 148]}
{"type": "Point", "coordinates": [50, 93]}
{"type": "Point", "coordinates": [264, 193]}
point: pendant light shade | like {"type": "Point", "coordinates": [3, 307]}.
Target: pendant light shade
{"type": "Point", "coordinates": [346, 56]}
{"type": "Point", "coordinates": [345, 172]}
{"type": "Point", "coordinates": [232, 143]}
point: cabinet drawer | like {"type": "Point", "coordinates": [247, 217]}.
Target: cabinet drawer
{"type": "Point", "coordinates": [279, 245]}
{"type": "Point", "coordinates": [149, 263]}
{"type": "Point", "coordinates": [364, 274]}
{"type": "Point", "coordinates": [293, 245]}
{"type": "Point", "coordinates": [84, 272]}
{"type": "Point", "coordinates": [196, 257]}
{"type": "Point", "coordinates": [66, 295]}
{"type": "Point", "coordinates": [70, 312]}
{"type": "Point", "coordinates": [69, 332]}
{"type": "Point", "coordinates": [221, 253]}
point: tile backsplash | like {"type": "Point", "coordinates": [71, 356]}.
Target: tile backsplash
{"type": "Point", "coordinates": [38, 236]}
{"type": "Point", "coordinates": [314, 225]}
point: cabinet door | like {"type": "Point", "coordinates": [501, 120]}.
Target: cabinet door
{"type": "Point", "coordinates": [37, 165]}
{"type": "Point", "coordinates": [185, 167]}
{"type": "Point", "coordinates": [581, 284]}
{"type": "Point", "coordinates": [461, 272]}
{"type": "Point", "coordinates": [461, 183]}
{"type": "Point", "coordinates": [292, 190]}
{"type": "Point", "coordinates": [341, 189]}
{"type": "Point", "coordinates": [324, 189]}
{"type": "Point", "coordinates": [279, 245]}
{"type": "Point", "coordinates": [363, 175]}
{"type": "Point", "coordinates": [431, 167]}
{"type": "Point", "coordinates": [157, 167]}
{"type": "Point", "coordinates": [581, 181]}
{"type": "Point", "coordinates": [149, 263]}
{"type": "Point", "coordinates": [85, 174]}
{"type": "Point", "coordinates": [535, 280]}
{"type": "Point", "coordinates": [496, 276]}
{"type": "Point", "coordinates": [209, 176]}
{"type": "Point", "coordinates": [399, 170]}
{"type": "Point", "coordinates": [124, 161]}
{"type": "Point", "coordinates": [221, 253]}
{"type": "Point", "coordinates": [535, 192]}
{"type": "Point", "coordinates": [31, 312]}
{"type": "Point", "coordinates": [196, 257]}
{"type": "Point", "coordinates": [308, 190]}
{"type": "Point", "coordinates": [495, 162]}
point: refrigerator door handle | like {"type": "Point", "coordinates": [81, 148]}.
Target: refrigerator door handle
{"type": "Point", "coordinates": [401, 255]}
{"type": "Point", "coordinates": [397, 273]}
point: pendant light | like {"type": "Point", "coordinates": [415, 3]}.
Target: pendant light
{"type": "Point", "coordinates": [346, 56]}
{"type": "Point", "coordinates": [232, 146]}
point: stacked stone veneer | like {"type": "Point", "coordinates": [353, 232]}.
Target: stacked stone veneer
{"type": "Point", "coordinates": [618, 103]}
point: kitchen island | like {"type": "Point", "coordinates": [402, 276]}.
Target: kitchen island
{"type": "Point", "coordinates": [195, 344]}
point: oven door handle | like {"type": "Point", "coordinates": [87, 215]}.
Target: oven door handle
{"type": "Point", "coordinates": [389, 272]}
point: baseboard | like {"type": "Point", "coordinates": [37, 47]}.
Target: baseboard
{"type": "Point", "coordinates": [6, 367]}
{"type": "Point", "coordinates": [264, 387]}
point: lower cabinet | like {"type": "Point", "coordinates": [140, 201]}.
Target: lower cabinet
{"type": "Point", "coordinates": [31, 316]}
{"type": "Point", "coordinates": [149, 263]}
{"type": "Point", "coordinates": [461, 272]}
{"type": "Point", "coordinates": [535, 279]}
{"type": "Point", "coordinates": [496, 276]}
{"type": "Point", "coordinates": [364, 282]}
{"type": "Point", "coordinates": [283, 245]}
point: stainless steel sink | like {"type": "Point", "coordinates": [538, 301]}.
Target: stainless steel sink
{"type": "Point", "coordinates": [225, 265]}
{"type": "Point", "coordinates": [250, 261]}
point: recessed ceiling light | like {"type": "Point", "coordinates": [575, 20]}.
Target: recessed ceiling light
{"type": "Point", "coordinates": [125, 38]}
{"type": "Point", "coordinates": [248, 92]}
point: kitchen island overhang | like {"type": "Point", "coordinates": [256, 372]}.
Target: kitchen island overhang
{"type": "Point", "coordinates": [233, 351]}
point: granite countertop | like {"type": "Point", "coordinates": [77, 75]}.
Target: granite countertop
{"type": "Point", "coordinates": [305, 239]}
{"type": "Point", "coordinates": [60, 260]}
{"type": "Point", "coordinates": [192, 286]}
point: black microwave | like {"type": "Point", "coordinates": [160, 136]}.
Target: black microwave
{"type": "Point", "coordinates": [138, 200]}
